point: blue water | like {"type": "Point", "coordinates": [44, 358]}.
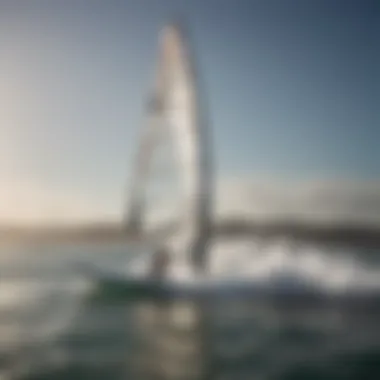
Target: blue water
{"type": "Point", "coordinates": [56, 323]}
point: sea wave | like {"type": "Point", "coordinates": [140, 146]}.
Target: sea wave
{"type": "Point", "coordinates": [282, 263]}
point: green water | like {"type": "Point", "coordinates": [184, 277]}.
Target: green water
{"type": "Point", "coordinates": [54, 324]}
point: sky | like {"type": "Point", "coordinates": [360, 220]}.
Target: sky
{"type": "Point", "coordinates": [292, 92]}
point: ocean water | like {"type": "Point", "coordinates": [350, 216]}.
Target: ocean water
{"type": "Point", "coordinates": [314, 314]}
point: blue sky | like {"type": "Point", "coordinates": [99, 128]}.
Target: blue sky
{"type": "Point", "coordinates": [292, 90]}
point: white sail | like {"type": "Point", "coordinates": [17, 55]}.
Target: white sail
{"type": "Point", "coordinates": [175, 102]}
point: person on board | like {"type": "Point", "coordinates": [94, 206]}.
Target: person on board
{"type": "Point", "coordinates": [160, 264]}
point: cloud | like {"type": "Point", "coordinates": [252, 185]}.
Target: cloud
{"type": "Point", "coordinates": [29, 201]}
{"type": "Point", "coordinates": [36, 203]}
{"type": "Point", "coordinates": [312, 201]}
{"type": "Point", "coordinates": [328, 201]}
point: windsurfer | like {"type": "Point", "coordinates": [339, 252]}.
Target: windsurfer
{"type": "Point", "coordinates": [160, 263]}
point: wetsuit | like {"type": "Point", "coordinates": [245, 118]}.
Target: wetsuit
{"type": "Point", "coordinates": [160, 264]}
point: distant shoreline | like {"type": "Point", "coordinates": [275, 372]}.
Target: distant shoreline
{"type": "Point", "coordinates": [349, 234]}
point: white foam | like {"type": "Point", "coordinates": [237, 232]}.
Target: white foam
{"type": "Point", "coordinates": [254, 260]}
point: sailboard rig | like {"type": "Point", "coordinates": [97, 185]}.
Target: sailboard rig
{"type": "Point", "coordinates": [175, 102]}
